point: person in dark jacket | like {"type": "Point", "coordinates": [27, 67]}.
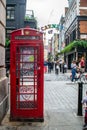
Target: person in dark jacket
{"type": "Point", "coordinates": [49, 66]}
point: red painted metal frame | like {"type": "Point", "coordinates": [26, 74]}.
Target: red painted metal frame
{"type": "Point", "coordinates": [27, 84]}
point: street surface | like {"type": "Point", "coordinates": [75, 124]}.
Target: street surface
{"type": "Point", "coordinates": [60, 106]}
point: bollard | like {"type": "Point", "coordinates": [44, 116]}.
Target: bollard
{"type": "Point", "coordinates": [80, 91]}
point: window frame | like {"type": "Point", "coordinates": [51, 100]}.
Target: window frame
{"type": "Point", "coordinates": [10, 12]}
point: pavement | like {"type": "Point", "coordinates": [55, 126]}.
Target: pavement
{"type": "Point", "coordinates": [60, 106]}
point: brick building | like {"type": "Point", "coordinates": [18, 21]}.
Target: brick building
{"type": "Point", "coordinates": [3, 78]}
{"type": "Point", "coordinates": [75, 27]}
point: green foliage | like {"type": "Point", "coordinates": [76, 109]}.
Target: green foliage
{"type": "Point", "coordinates": [50, 57]}
{"type": "Point", "coordinates": [29, 18]}
{"type": "Point", "coordinates": [26, 17]}
{"type": "Point", "coordinates": [7, 42]}
{"type": "Point", "coordinates": [75, 44]}
{"type": "Point", "coordinates": [81, 43]}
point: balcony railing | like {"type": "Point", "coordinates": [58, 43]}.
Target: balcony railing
{"type": "Point", "coordinates": [29, 15]}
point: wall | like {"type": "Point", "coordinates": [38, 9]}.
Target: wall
{"type": "Point", "coordinates": [83, 22]}
{"type": "Point", "coordinates": [83, 7]}
{"type": "Point", "coordinates": [3, 78]}
{"type": "Point", "coordinates": [83, 27]}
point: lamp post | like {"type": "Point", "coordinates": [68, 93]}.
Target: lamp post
{"type": "Point", "coordinates": [80, 91]}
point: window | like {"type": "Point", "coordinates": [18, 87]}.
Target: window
{"type": "Point", "coordinates": [8, 31]}
{"type": "Point", "coordinates": [10, 12]}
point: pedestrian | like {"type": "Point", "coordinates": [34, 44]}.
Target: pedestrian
{"type": "Point", "coordinates": [49, 66]}
{"type": "Point", "coordinates": [52, 65]}
{"type": "Point", "coordinates": [84, 103]}
{"type": "Point", "coordinates": [82, 64]}
{"type": "Point", "coordinates": [60, 65]}
{"type": "Point", "coordinates": [65, 67]}
{"type": "Point", "coordinates": [45, 66]}
{"type": "Point", "coordinates": [73, 69]}
{"type": "Point", "coordinates": [57, 68]}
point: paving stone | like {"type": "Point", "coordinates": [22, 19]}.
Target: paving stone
{"type": "Point", "coordinates": [60, 107]}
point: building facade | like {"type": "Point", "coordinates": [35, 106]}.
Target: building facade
{"type": "Point", "coordinates": [75, 27]}
{"type": "Point", "coordinates": [17, 17]}
{"type": "Point", "coordinates": [55, 46]}
{"type": "Point", "coordinates": [3, 78]}
{"type": "Point", "coordinates": [15, 14]}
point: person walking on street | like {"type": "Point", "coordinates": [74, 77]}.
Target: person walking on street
{"type": "Point", "coordinates": [57, 68]}
{"type": "Point", "coordinates": [60, 65]}
{"type": "Point", "coordinates": [73, 70]}
{"type": "Point", "coordinates": [84, 103]}
{"type": "Point", "coordinates": [65, 67]}
{"type": "Point", "coordinates": [82, 64]}
{"type": "Point", "coordinates": [49, 66]}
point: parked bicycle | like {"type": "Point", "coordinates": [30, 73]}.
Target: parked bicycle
{"type": "Point", "coordinates": [80, 76]}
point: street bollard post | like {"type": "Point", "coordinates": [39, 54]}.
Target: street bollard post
{"type": "Point", "coordinates": [80, 94]}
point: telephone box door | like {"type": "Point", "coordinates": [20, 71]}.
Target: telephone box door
{"type": "Point", "coordinates": [26, 82]}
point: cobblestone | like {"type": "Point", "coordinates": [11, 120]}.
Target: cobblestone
{"type": "Point", "coordinates": [59, 77]}
{"type": "Point", "coordinates": [60, 107]}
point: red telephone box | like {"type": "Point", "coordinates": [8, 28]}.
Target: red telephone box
{"type": "Point", "coordinates": [27, 75]}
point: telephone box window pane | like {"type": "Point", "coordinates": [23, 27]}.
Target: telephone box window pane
{"type": "Point", "coordinates": [26, 50]}
{"type": "Point", "coordinates": [26, 72]}
{"type": "Point", "coordinates": [27, 58]}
